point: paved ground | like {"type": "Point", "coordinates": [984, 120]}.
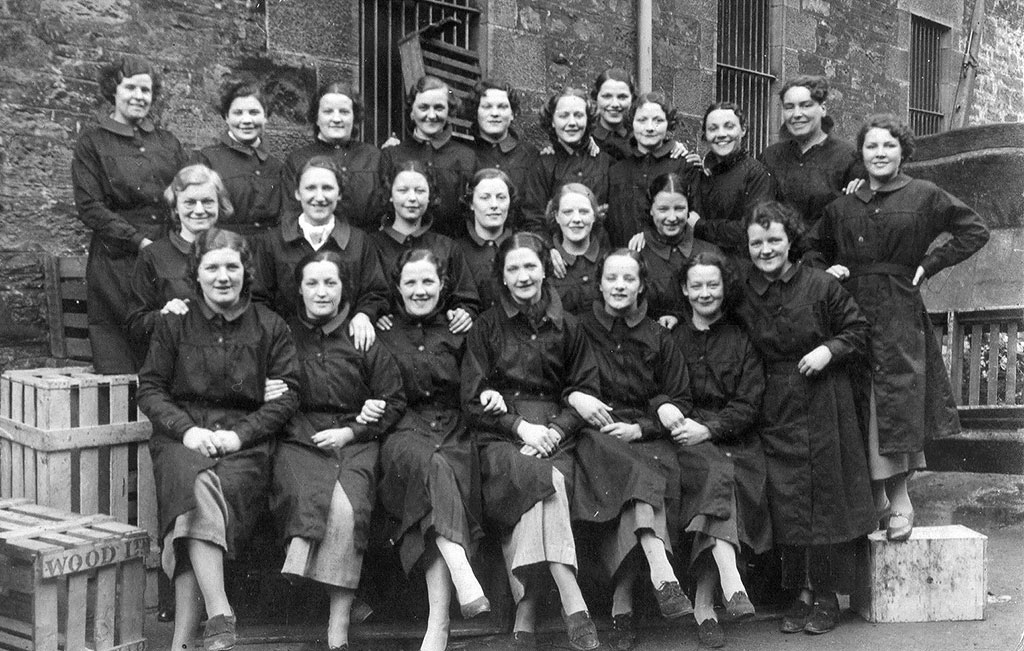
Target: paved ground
{"type": "Point", "coordinates": [990, 504]}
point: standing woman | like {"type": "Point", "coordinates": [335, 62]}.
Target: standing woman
{"type": "Point", "coordinates": [811, 166]}
{"type": "Point", "coordinates": [254, 177]}
{"type": "Point", "coordinates": [202, 386]}
{"type": "Point", "coordinates": [808, 330]}
{"type": "Point", "coordinates": [431, 103]}
{"type": "Point", "coordinates": [721, 461]}
{"type": "Point", "coordinates": [878, 241]}
{"type": "Point", "coordinates": [325, 469]}
{"type": "Point", "coordinates": [572, 214]}
{"type": "Point", "coordinates": [526, 361]}
{"type": "Point", "coordinates": [119, 172]}
{"type": "Point", "coordinates": [731, 184]}
{"type": "Point", "coordinates": [491, 196]}
{"type": "Point", "coordinates": [613, 93]}
{"type": "Point", "coordinates": [431, 475]}
{"type": "Point", "coordinates": [336, 113]}
{"type": "Point", "coordinates": [627, 480]}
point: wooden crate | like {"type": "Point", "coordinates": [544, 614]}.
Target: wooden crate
{"type": "Point", "coordinates": [66, 308]}
{"type": "Point", "coordinates": [938, 575]}
{"type": "Point", "coordinates": [68, 581]}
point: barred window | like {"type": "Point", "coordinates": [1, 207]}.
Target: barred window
{"type": "Point", "coordinates": [744, 65]}
{"type": "Point", "coordinates": [926, 75]}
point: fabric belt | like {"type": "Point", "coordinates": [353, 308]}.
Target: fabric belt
{"type": "Point", "coordinates": [882, 269]}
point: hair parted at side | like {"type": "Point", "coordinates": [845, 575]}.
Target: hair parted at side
{"type": "Point", "coordinates": [198, 174]}
{"type": "Point", "coordinates": [547, 114]}
{"type": "Point", "coordinates": [613, 74]}
{"type": "Point", "coordinates": [730, 277]}
{"type": "Point", "coordinates": [766, 213]}
{"type": "Point", "coordinates": [244, 86]}
{"type": "Point", "coordinates": [898, 128]}
{"type": "Point", "coordinates": [625, 252]}
{"type": "Point", "coordinates": [658, 98]}
{"type": "Point", "coordinates": [430, 82]}
{"type": "Point", "coordinates": [216, 238]}
{"type": "Point", "coordinates": [551, 211]}
{"type": "Point", "coordinates": [111, 74]}
{"type": "Point", "coordinates": [487, 174]}
{"type": "Point", "coordinates": [722, 106]}
{"type": "Point", "coordinates": [335, 88]}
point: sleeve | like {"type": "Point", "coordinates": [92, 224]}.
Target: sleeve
{"type": "Point", "coordinates": [820, 249]}
{"type": "Point", "coordinates": [385, 381]}
{"type": "Point", "coordinates": [742, 410]}
{"type": "Point", "coordinates": [968, 232]}
{"type": "Point", "coordinates": [90, 191]}
{"type": "Point", "coordinates": [282, 363]}
{"type": "Point", "coordinates": [848, 327]}
{"type": "Point", "coordinates": [264, 286]}
{"type": "Point", "coordinates": [673, 379]}
{"type": "Point", "coordinates": [582, 375]}
{"type": "Point", "coordinates": [155, 380]}
{"type": "Point", "coordinates": [143, 308]}
{"type": "Point", "coordinates": [373, 295]}
{"type": "Point", "coordinates": [536, 192]}
{"type": "Point", "coordinates": [289, 183]}
{"type": "Point", "coordinates": [464, 290]}
{"type": "Point", "coordinates": [477, 365]}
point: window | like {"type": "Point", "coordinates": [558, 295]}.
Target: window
{"type": "Point", "coordinates": [926, 75]}
{"type": "Point", "coordinates": [743, 70]}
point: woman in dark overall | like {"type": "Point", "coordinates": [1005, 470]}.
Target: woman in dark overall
{"type": "Point", "coordinates": [626, 486]}
{"type": "Point", "coordinates": [119, 172]}
{"type": "Point", "coordinates": [808, 330]}
{"type": "Point", "coordinates": [430, 481]}
{"type": "Point", "coordinates": [490, 197]}
{"type": "Point", "coordinates": [721, 461]}
{"type": "Point", "coordinates": [878, 241]}
{"type": "Point", "coordinates": [203, 387]}
{"type": "Point", "coordinates": [572, 216]}
{"type": "Point", "coordinates": [325, 469]}
{"type": "Point", "coordinates": [525, 358]}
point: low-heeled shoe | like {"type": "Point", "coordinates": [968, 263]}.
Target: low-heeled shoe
{"type": "Point", "coordinates": [901, 525]}
{"type": "Point", "coordinates": [478, 606]}
{"type": "Point", "coordinates": [824, 615]}
{"type": "Point", "coordinates": [710, 634]}
{"type": "Point", "coordinates": [219, 634]}
{"type": "Point", "coordinates": [623, 632]}
{"type": "Point", "coordinates": [672, 601]}
{"type": "Point", "coordinates": [582, 631]}
{"type": "Point", "coordinates": [739, 606]}
{"type": "Point", "coordinates": [795, 618]}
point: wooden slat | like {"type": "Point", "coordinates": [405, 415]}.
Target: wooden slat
{"type": "Point", "coordinates": [44, 616]}
{"type": "Point", "coordinates": [28, 413]}
{"type": "Point", "coordinates": [74, 631]}
{"type": "Point", "coordinates": [73, 266]}
{"type": "Point", "coordinates": [78, 348]}
{"type": "Point", "coordinates": [5, 396]}
{"type": "Point", "coordinates": [52, 408]}
{"type": "Point", "coordinates": [470, 69]}
{"type": "Point", "coordinates": [119, 482]}
{"type": "Point", "coordinates": [30, 477]}
{"type": "Point", "coordinates": [54, 310]}
{"type": "Point", "coordinates": [88, 406]}
{"type": "Point", "coordinates": [53, 474]}
{"type": "Point", "coordinates": [956, 369]}
{"type": "Point", "coordinates": [17, 401]}
{"type": "Point", "coordinates": [974, 381]}
{"type": "Point", "coordinates": [992, 387]}
{"type": "Point", "coordinates": [18, 471]}
{"type": "Point", "coordinates": [10, 641]}
{"type": "Point", "coordinates": [146, 496]}
{"type": "Point", "coordinates": [88, 482]}
{"type": "Point", "coordinates": [74, 438]}
{"type": "Point", "coordinates": [5, 468]}
{"type": "Point", "coordinates": [118, 402]}
{"type": "Point", "coordinates": [1011, 363]}
{"type": "Point", "coordinates": [106, 598]}
{"type": "Point", "coordinates": [75, 320]}
{"type": "Point", "coordinates": [74, 291]}
{"type": "Point", "coordinates": [132, 604]}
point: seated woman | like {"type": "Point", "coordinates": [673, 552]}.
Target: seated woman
{"type": "Point", "coordinates": [161, 282]}
{"type": "Point", "coordinates": [490, 197]}
{"type": "Point", "coordinates": [525, 357]}
{"type": "Point", "coordinates": [202, 386]}
{"type": "Point", "coordinates": [720, 458]}
{"type": "Point", "coordinates": [626, 474]}
{"type": "Point", "coordinates": [572, 214]}
{"type": "Point", "coordinates": [325, 469]}
{"type": "Point", "coordinates": [431, 476]}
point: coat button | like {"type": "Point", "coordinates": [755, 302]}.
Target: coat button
{"type": "Point", "coordinates": [586, 278]}
{"type": "Point", "coordinates": [533, 337]}
{"type": "Point", "coordinates": [142, 149]}
{"type": "Point", "coordinates": [420, 348]}
{"type": "Point", "coordinates": [257, 172]}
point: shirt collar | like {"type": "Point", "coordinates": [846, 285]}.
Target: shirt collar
{"type": "Point", "coordinates": [600, 132]}
{"type": "Point", "coordinates": [715, 164]}
{"type": "Point", "coordinates": [554, 310]}
{"type": "Point", "coordinates": [479, 241]}
{"type": "Point", "coordinates": [506, 144]}
{"type": "Point", "coordinates": [592, 252]}
{"type": "Point", "coordinates": [258, 151]}
{"type": "Point", "coordinates": [178, 242]}
{"type": "Point", "coordinates": [439, 141]}
{"type": "Point", "coordinates": [341, 234]}
{"type": "Point", "coordinates": [761, 284]}
{"type": "Point", "coordinates": [340, 144]}
{"type": "Point", "coordinates": [230, 315]}
{"type": "Point", "coordinates": [663, 249]}
{"type": "Point", "coordinates": [110, 124]}
{"type": "Point", "coordinates": [866, 194]}
{"type": "Point", "coordinates": [632, 318]}
{"type": "Point", "coordinates": [401, 238]}
{"type": "Point", "coordinates": [328, 327]}
{"type": "Point", "coordinates": [663, 150]}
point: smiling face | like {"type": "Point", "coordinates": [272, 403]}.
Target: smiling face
{"type": "Point", "coordinates": [318, 192]}
{"type": "Point", "coordinates": [197, 207]}
{"type": "Point", "coordinates": [335, 117]}
{"type": "Point", "coordinates": [669, 211]}
{"type": "Point", "coordinates": [523, 273]}
{"type": "Point", "coordinates": [723, 132]}
{"type": "Point", "coordinates": [650, 126]}
{"type": "Point", "coordinates": [705, 291]}
{"type": "Point", "coordinates": [246, 119]}
{"type": "Point", "coordinates": [575, 218]}
{"type": "Point", "coordinates": [410, 196]}
{"type": "Point", "coordinates": [420, 287]}
{"type": "Point", "coordinates": [321, 289]}
{"type": "Point", "coordinates": [801, 114]}
{"type": "Point", "coordinates": [220, 277]}
{"type": "Point", "coordinates": [570, 119]}
{"type": "Point", "coordinates": [490, 204]}
{"type": "Point", "coordinates": [882, 154]}
{"type": "Point", "coordinates": [133, 98]}
{"type": "Point", "coordinates": [613, 101]}
{"type": "Point", "coordinates": [620, 284]}
{"type": "Point", "coordinates": [430, 112]}
{"type": "Point", "coordinates": [494, 114]}
{"type": "Point", "coordinates": [769, 249]}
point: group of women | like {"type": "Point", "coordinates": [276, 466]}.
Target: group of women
{"type": "Point", "coordinates": [684, 360]}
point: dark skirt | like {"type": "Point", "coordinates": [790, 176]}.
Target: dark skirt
{"type": "Point", "coordinates": [108, 295]}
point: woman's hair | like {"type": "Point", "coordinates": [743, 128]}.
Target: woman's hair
{"type": "Point", "coordinates": [216, 238]}
{"type": "Point", "coordinates": [111, 74]}
{"type": "Point", "coordinates": [419, 255]}
{"type": "Point", "coordinates": [335, 88]}
{"type": "Point", "coordinates": [626, 252]}
{"type": "Point", "coordinates": [766, 213]}
{"type": "Point", "coordinates": [730, 278]}
{"type": "Point", "coordinates": [411, 165]}
{"type": "Point", "coordinates": [486, 174]}
{"type": "Point", "coordinates": [817, 86]}
{"type": "Point", "coordinates": [480, 89]}
{"type": "Point", "coordinates": [198, 174]}
{"type": "Point", "coordinates": [325, 255]}
{"type": "Point", "coordinates": [243, 87]}
{"type": "Point", "coordinates": [547, 113]}
{"type": "Point", "coordinates": [671, 115]}
{"type": "Point", "coordinates": [899, 130]}
{"type": "Point", "coordinates": [722, 106]}
{"type": "Point", "coordinates": [521, 240]}
{"type": "Point", "coordinates": [324, 163]}
{"type": "Point", "coordinates": [613, 74]}
{"type": "Point", "coordinates": [430, 82]}
{"type": "Point", "coordinates": [671, 182]}
{"type": "Point", "coordinates": [551, 212]}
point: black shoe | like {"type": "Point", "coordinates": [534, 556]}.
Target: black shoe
{"type": "Point", "coordinates": [360, 611]}
{"type": "Point", "coordinates": [672, 601]}
{"type": "Point", "coordinates": [739, 606]}
{"type": "Point", "coordinates": [824, 615]}
{"type": "Point", "coordinates": [795, 618]}
{"type": "Point", "coordinates": [219, 634]}
{"type": "Point", "coordinates": [710, 634]}
{"type": "Point", "coordinates": [582, 632]}
{"type": "Point", "coordinates": [623, 632]}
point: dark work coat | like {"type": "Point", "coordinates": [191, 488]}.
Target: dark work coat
{"type": "Point", "coordinates": [429, 460]}
{"type": "Point", "coordinates": [255, 182]}
{"type": "Point", "coordinates": [882, 237]}
{"type": "Point", "coordinates": [553, 170]}
{"type": "Point", "coordinates": [452, 165]}
{"type": "Point", "coordinates": [535, 363]}
{"type": "Point", "coordinates": [359, 163]}
{"type": "Point", "coordinates": [204, 370]}
{"type": "Point", "coordinates": [516, 158]}
{"type": "Point", "coordinates": [726, 192]}
{"type": "Point", "coordinates": [614, 143]}
{"type": "Point", "coordinates": [629, 179]}
{"type": "Point", "coordinates": [579, 289]}
{"type": "Point", "coordinates": [665, 261]}
{"type": "Point", "coordinates": [641, 369]}
{"type": "Point", "coordinates": [819, 491]}
{"type": "Point", "coordinates": [727, 385]}
{"type": "Point", "coordinates": [335, 381]}
{"type": "Point", "coordinates": [161, 273]}
{"type": "Point", "coordinates": [280, 251]}
{"type": "Point", "coordinates": [479, 255]}
{"type": "Point", "coordinates": [119, 174]}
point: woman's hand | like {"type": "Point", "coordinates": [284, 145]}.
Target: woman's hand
{"type": "Point", "coordinates": [493, 403]}
{"type": "Point", "coordinates": [637, 242]}
{"type": "Point", "coordinates": [839, 271]}
{"type": "Point", "coordinates": [547, 150]}
{"type": "Point", "coordinates": [459, 321]}
{"type": "Point", "coordinates": [144, 243]}
{"type": "Point", "coordinates": [626, 432]}
{"type": "Point", "coordinates": [391, 142]}
{"type": "Point", "coordinates": [671, 417]}
{"type": "Point", "coordinates": [273, 389]}
{"type": "Point", "coordinates": [175, 306]}
{"type": "Point", "coordinates": [853, 186]}
{"type": "Point", "coordinates": [385, 322]}
{"type": "Point", "coordinates": [679, 150]}
{"type": "Point", "coordinates": [530, 451]}
{"type": "Point", "coordinates": [691, 433]}
{"type": "Point", "coordinates": [815, 361]}
{"type": "Point", "coordinates": [591, 409]}
{"type": "Point", "coordinates": [558, 267]}
{"type": "Point", "coordinates": [227, 441]}
{"type": "Point", "coordinates": [693, 158]}
{"type": "Point", "coordinates": [668, 321]}
{"type": "Point", "coordinates": [592, 148]}
{"type": "Point", "coordinates": [372, 411]}
{"type": "Point", "coordinates": [362, 332]}
{"type": "Point", "coordinates": [332, 439]}
{"type": "Point", "coordinates": [692, 219]}
{"type": "Point", "coordinates": [201, 440]}
{"type": "Point", "coordinates": [543, 439]}
{"type": "Point", "coordinates": [918, 276]}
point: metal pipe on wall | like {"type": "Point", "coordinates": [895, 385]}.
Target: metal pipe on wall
{"type": "Point", "coordinates": [644, 44]}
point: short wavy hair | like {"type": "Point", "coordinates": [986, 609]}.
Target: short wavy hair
{"type": "Point", "coordinates": [430, 82]}
{"type": "Point", "coordinates": [655, 97]}
{"type": "Point", "coordinates": [766, 213]}
{"type": "Point", "coordinates": [486, 174]}
{"type": "Point", "coordinates": [722, 106]}
{"type": "Point", "coordinates": [335, 88]}
{"type": "Point", "coordinates": [198, 174]}
{"type": "Point", "coordinates": [818, 87]}
{"type": "Point", "coordinates": [521, 240]}
{"type": "Point", "coordinates": [628, 253]}
{"type": "Point", "coordinates": [326, 255]}
{"type": "Point", "coordinates": [899, 130]}
{"type": "Point", "coordinates": [613, 74]}
{"type": "Point", "coordinates": [547, 113]}
{"type": "Point", "coordinates": [551, 210]}
{"type": "Point", "coordinates": [241, 87]}
{"type": "Point", "coordinates": [411, 165]}
{"type": "Point", "coordinates": [480, 89]}
{"type": "Point", "coordinates": [421, 255]}
{"type": "Point", "coordinates": [217, 238]}
{"type": "Point", "coordinates": [732, 290]}
{"type": "Point", "coordinates": [324, 163]}
{"type": "Point", "coordinates": [111, 74]}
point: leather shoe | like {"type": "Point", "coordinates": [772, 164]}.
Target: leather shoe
{"type": "Point", "coordinates": [524, 640]}
{"type": "Point", "coordinates": [739, 606]}
{"type": "Point", "coordinates": [672, 601]}
{"type": "Point", "coordinates": [219, 634]}
{"type": "Point", "coordinates": [795, 619]}
{"type": "Point", "coordinates": [478, 606]}
{"type": "Point", "coordinates": [623, 632]}
{"type": "Point", "coordinates": [582, 632]}
{"type": "Point", "coordinates": [824, 615]}
{"type": "Point", "coordinates": [710, 634]}
{"type": "Point", "coordinates": [360, 611]}
{"type": "Point", "coordinates": [901, 525]}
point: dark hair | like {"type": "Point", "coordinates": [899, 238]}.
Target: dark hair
{"type": "Point", "coordinates": [335, 88]}
{"type": "Point", "coordinates": [896, 127]}
{"type": "Point", "coordinates": [480, 89]}
{"type": "Point", "coordinates": [521, 240]}
{"type": "Point", "coordinates": [485, 174]}
{"type": "Point", "coordinates": [629, 253]}
{"type": "Point", "coordinates": [325, 255]}
{"type": "Point", "coordinates": [324, 163]}
{"type": "Point", "coordinates": [722, 106]}
{"type": "Point", "coordinates": [671, 114]}
{"type": "Point", "coordinates": [671, 182]}
{"type": "Point", "coordinates": [551, 211]}
{"type": "Point", "coordinates": [766, 213]}
{"type": "Point", "coordinates": [613, 74]}
{"type": "Point", "coordinates": [547, 114]}
{"type": "Point", "coordinates": [730, 277]}
{"type": "Point", "coordinates": [420, 255]}
{"type": "Point", "coordinates": [411, 165]}
{"type": "Point", "coordinates": [213, 239]}
{"type": "Point", "coordinates": [430, 82]}
{"type": "Point", "coordinates": [817, 86]}
{"type": "Point", "coordinates": [198, 174]}
{"type": "Point", "coordinates": [243, 87]}
{"type": "Point", "coordinates": [111, 75]}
